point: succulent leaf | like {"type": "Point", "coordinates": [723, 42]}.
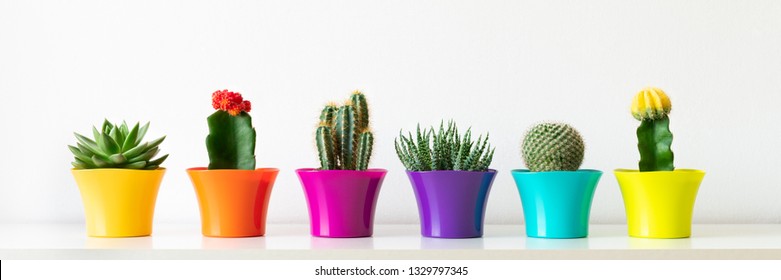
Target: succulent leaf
{"type": "Point", "coordinates": [84, 163]}
{"type": "Point", "coordinates": [95, 134]}
{"type": "Point", "coordinates": [158, 141]}
{"type": "Point", "coordinates": [135, 151]}
{"type": "Point", "coordinates": [146, 156]}
{"type": "Point", "coordinates": [123, 130]}
{"type": "Point", "coordinates": [117, 159]}
{"type": "Point", "coordinates": [79, 154]}
{"type": "Point", "coordinates": [108, 145]}
{"type": "Point", "coordinates": [141, 133]}
{"type": "Point", "coordinates": [106, 127]}
{"type": "Point", "coordinates": [90, 145]}
{"type": "Point", "coordinates": [130, 140]}
{"type": "Point", "coordinates": [99, 163]}
{"type": "Point", "coordinates": [116, 137]}
{"type": "Point", "coordinates": [158, 161]}
{"type": "Point", "coordinates": [137, 165]}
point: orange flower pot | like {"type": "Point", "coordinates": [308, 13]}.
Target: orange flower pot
{"type": "Point", "coordinates": [233, 202]}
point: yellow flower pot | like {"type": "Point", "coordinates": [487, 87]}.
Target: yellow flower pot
{"type": "Point", "coordinates": [118, 202]}
{"type": "Point", "coordinates": [659, 204]}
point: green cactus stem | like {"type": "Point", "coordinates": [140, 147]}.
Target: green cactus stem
{"type": "Point", "coordinates": [358, 101]}
{"type": "Point", "coordinates": [231, 141]}
{"type": "Point", "coordinates": [324, 140]}
{"type": "Point", "coordinates": [345, 134]}
{"type": "Point", "coordinates": [328, 115]}
{"type": "Point", "coordinates": [365, 150]}
{"type": "Point", "coordinates": [653, 141]}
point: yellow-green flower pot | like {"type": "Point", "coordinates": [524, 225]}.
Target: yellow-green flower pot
{"type": "Point", "coordinates": [659, 204]}
{"type": "Point", "coordinates": [118, 202]}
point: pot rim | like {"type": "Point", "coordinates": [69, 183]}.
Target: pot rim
{"type": "Point", "coordinates": [159, 169]}
{"type": "Point", "coordinates": [677, 170]}
{"type": "Point", "coordinates": [527, 171]}
{"type": "Point", "coordinates": [207, 170]}
{"type": "Point", "coordinates": [317, 170]}
{"type": "Point", "coordinates": [490, 171]}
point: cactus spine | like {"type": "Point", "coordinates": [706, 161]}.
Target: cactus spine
{"type": "Point", "coordinates": [343, 138]}
{"type": "Point", "coordinates": [651, 107]}
{"type": "Point", "coordinates": [552, 147]}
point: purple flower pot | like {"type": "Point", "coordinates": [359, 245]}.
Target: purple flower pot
{"type": "Point", "coordinates": [341, 202]}
{"type": "Point", "coordinates": [451, 204]}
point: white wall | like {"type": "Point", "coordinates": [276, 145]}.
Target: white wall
{"type": "Point", "coordinates": [499, 66]}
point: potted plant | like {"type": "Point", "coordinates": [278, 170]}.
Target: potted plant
{"type": "Point", "coordinates": [658, 198]}
{"type": "Point", "coordinates": [451, 179]}
{"type": "Point", "coordinates": [342, 193]}
{"type": "Point", "coordinates": [232, 195]}
{"type": "Point", "coordinates": [118, 178]}
{"type": "Point", "coordinates": [556, 194]}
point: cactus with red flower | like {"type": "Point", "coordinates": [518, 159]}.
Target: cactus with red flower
{"type": "Point", "coordinates": [231, 139]}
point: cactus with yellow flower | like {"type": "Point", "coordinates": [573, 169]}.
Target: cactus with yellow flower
{"type": "Point", "coordinates": [651, 107]}
{"type": "Point", "coordinates": [343, 138]}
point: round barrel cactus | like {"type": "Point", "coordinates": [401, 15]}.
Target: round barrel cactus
{"type": "Point", "coordinates": [552, 147]}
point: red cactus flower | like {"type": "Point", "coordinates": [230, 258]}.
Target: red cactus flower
{"type": "Point", "coordinates": [231, 102]}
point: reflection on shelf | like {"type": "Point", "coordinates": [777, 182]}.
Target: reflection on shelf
{"type": "Point", "coordinates": [119, 243]}
{"type": "Point", "coordinates": [649, 243]}
{"type": "Point", "coordinates": [429, 243]}
{"type": "Point", "coordinates": [556, 244]}
{"type": "Point", "coordinates": [218, 243]}
{"type": "Point", "coordinates": [324, 243]}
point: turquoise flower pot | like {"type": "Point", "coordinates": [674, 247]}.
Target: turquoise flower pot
{"type": "Point", "coordinates": [556, 204]}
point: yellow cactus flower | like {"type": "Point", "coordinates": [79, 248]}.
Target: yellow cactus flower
{"type": "Point", "coordinates": [650, 104]}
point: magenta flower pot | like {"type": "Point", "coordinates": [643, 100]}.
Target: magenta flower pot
{"type": "Point", "coordinates": [341, 202]}
{"type": "Point", "coordinates": [451, 204]}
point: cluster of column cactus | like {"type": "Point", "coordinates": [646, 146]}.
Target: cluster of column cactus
{"type": "Point", "coordinates": [651, 107]}
{"type": "Point", "coordinates": [343, 138]}
{"type": "Point", "coordinates": [552, 147]}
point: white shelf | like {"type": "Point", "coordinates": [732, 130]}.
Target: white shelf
{"type": "Point", "coordinates": [172, 241]}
